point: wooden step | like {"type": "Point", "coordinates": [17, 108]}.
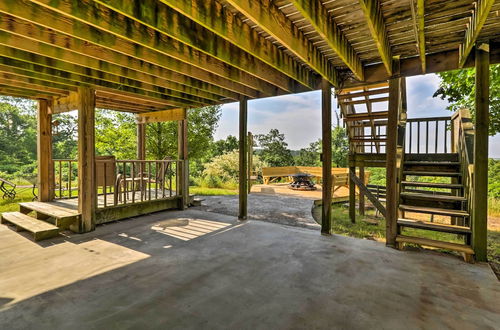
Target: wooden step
{"type": "Point", "coordinates": [433, 173]}
{"type": "Point", "coordinates": [366, 116]}
{"type": "Point", "coordinates": [40, 229]}
{"type": "Point", "coordinates": [433, 210]}
{"type": "Point", "coordinates": [59, 215]}
{"type": "Point", "coordinates": [466, 250]}
{"type": "Point", "coordinates": [433, 163]}
{"type": "Point", "coordinates": [445, 228]}
{"type": "Point", "coordinates": [437, 157]}
{"type": "Point", "coordinates": [433, 197]}
{"type": "Point", "coordinates": [432, 185]}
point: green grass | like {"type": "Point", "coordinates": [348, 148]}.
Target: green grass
{"type": "Point", "coordinates": [202, 191]}
{"type": "Point", "coordinates": [9, 205]}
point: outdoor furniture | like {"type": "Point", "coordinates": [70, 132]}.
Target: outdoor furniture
{"type": "Point", "coordinates": [8, 189]}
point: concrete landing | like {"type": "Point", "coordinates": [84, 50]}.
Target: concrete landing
{"type": "Point", "coordinates": [194, 269]}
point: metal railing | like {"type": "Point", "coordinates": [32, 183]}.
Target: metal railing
{"type": "Point", "coordinates": [428, 135]}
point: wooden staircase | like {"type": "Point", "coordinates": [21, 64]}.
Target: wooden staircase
{"type": "Point", "coordinates": [432, 199]}
{"type": "Point", "coordinates": [42, 220]}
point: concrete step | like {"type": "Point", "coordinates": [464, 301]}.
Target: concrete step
{"type": "Point", "coordinates": [434, 226]}
{"type": "Point", "coordinates": [40, 229]}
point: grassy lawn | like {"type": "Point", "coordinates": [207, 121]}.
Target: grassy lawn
{"type": "Point", "coordinates": [9, 205]}
{"type": "Point", "coordinates": [202, 191]}
{"type": "Point", "coordinates": [342, 225]}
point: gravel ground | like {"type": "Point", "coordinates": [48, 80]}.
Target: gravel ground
{"type": "Point", "coordinates": [293, 211]}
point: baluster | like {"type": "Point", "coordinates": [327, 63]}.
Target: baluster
{"type": "Point", "coordinates": [133, 181]}
{"type": "Point", "coordinates": [445, 137]}
{"type": "Point", "coordinates": [105, 193]}
{"type": "Point", "coordinates": [149, 180]}
{"type": "Point", "coordinates": [70, 166]}
{"type": "Point", "coordinates": [427, 137]}
{"type": "Point", "coordinates": [437, 137]}
{"type": "Point", "coordinates": [418, 137]}
{"type": "Point", "coordinates": [124, 182]}
{"type": "Point", "coordinates": [170, 177]}
{"type": "Point", "coordinates": [411, 140]}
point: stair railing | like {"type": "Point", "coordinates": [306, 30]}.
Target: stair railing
{"type": "Point", "coordinates": [428, 135]}
{"type": "Point", "coordinates": [463, 144]}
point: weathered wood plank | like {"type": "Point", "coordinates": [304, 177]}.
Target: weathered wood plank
{"type": "Point", "coordinates": [481, 127]}
{"type": "Point", "coordinates": [161, 116]}
{"type": "Point", "coordinates": [44, 150]}
{"type": "Point", "coordinates": [364, 190]}
{"type": "Point", "coordinates": [243, 161]}
{"type": "Point", "coordinates": [272, 20]}
{"type": "Point", "coordinates": [326, 151]}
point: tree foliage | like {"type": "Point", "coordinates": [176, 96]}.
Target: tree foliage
{"type": "Point", "coordinates": [221, 147]}
{"type": "Point", "coordinates": [274, 150]}
{"type": "Point", "coordinates": [309, 156]}
{"type": "Point", "coordinates": [458, 88]}
{"type": "Point", "coordinates": [340, 147]}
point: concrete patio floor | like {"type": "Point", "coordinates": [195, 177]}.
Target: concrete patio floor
{"type": "Point", "coordinates": [195, 269]}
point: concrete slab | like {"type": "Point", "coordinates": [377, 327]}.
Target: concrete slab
{"type": "Point", "coordinates": [194, 269]}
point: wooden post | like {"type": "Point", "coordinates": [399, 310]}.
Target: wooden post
{"type": "Point", "coordinates": [250, 161]}
{"type": "Point", "coordinates": [87, 195]}
{"type": "Point", "coordinates": [141, 141]}
{"type": "Point", "coordinates": [392, 197]}
{"type": "Point", "coordinates": [361, 194]}
{"type": "Point", "coordinates": [182, 144]}
{"type": "Point", "coordinates": [243, 180]}
{"type": "Point", "coordinates": [352, 194]}
{"type": "Point", "coordinates": [326, 115]}
{"type": "Point", "coordinates": [44, 151]}
{"type": "Point", "coordinates": [480, 212]}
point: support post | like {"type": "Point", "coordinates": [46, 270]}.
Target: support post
{"type": "Point", "coordinates": [326, 115]}
{"type": "Point", "coordinates": [352, 194]}
{"type": "Point", "coordinates": [480, 211]}
{"type": "Point", "coordinates": [361, 193]}
{"type": "Point", "coordinates": [44, 151]}
{"type": "Point", "coordinates": [250, 161]}
{"type": "Point", "coordinates": [183, 155]}
{"type": "Point", "coordinates": [87, 194]}
{"type": "Point", "coordinates": [141, 141]}
{"type": "Point", "coordinates": [392, 197]}
{"type": "Point", "coordinates": [243, 154]}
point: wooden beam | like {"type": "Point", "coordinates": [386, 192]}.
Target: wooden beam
{"type": "Point", "coordinates": [364, 190]}
{"type": "Point", "coordinates": [392, 197]}
{"type": "Point", "coordinates": [324, 24]}
{"type": "Point", "coordinates": [326, 133]}
{"type": "Point", "coordinates": [376, 25]}
{"type": "Point", "coordinates": [419, 27]}
{"type": "Point", "coordinates": [48, 43]}
{"type": "Point", "coordinates": [361, 191]}
{"type": "Point", "coordinates": [197, 65]}
{"type": "Point", "coordinates": [227, 28]}
{"type": "Point", "coordinates": [480, 188]}
{"type": "Point", "coordinates": [184, 46]}
{"type": "Point", "coordinates": [273, 21]}
{"type": "Point", "coordinates": [477, 20]}
{"type": "Point", "coordinates": [66, 103]}
{"type": "Point", "coordinates": [87, 194]}
{"type": "Point", "coordinates": [352, 192]}
{"type": "Point", "coordinates": [161, 116]}
{"type": "Point", "coordinates": [243, 145]}
{"type": "Point", "coordinates": [182, 138]}
{"type": "Point", "coordinates": [44, 151]}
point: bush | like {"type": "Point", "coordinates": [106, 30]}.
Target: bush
{"type": "Point", "coordinates": [223, 171]}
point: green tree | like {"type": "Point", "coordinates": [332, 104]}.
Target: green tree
{"type": "Point", "coordinates": [115, 134]}
{"type": "Point", "coordinates": [221, 147]}
{"type": "Point", "coordinates": [340, 147]}
{"type": "Point", "coordinates": [275, 150]}
{"type": "Point", "coordinates": [309, 156]}
{"type": "Point", "coordinates": [458, 88]}
{"type": "Point", "coordinates": [64, 136]}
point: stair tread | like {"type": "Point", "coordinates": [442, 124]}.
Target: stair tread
{"type": "Point", "coordinates": [434, 226]}
{"type": "Point", "coordinates": [438, 244]}
{"type": "Point", "coordinates": [433, 210]}
{"type": "Point", "coordinates": [428, 173]}
{"type": "Point", "coordinates": [420, 162]}
{"type": "Point", "coordinates": [434, 197]}
{"type": "Point", "coordinates": [50, 209]}
{"type": "Point", "coordinates": [28, 223]}
{"type": "Point", "coordinates": [432, 184]}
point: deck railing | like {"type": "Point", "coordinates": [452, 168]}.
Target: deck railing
{"type": "Point", "coordinates": [120, 182]}
{"type": "Point", "coordinates": [428, 135]}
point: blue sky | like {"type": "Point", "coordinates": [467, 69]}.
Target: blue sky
{"type": "Point", "coordinates": [299, 116]}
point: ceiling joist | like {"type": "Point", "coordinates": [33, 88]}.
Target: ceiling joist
{"type": "Point", "coordinates": [272, 20]}
{"type": "Point", "coordinates": [324, 24]}
{"type": "Point", "coordinates": [376, 25]}
{"type": "Point", "coordinates": [475, 25]}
